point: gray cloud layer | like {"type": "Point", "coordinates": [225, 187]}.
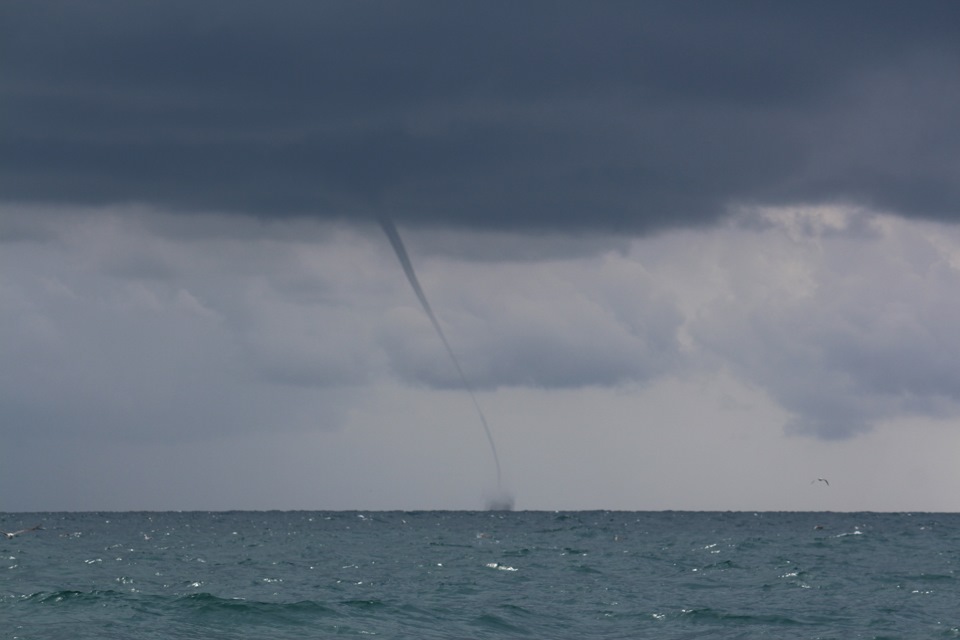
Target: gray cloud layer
{"type": "Point", "coordinates": [220, 361]}
{"type": "Point", "coordinates": [844, 329]}
{"type": "Point", "coordinates": [528, 115]}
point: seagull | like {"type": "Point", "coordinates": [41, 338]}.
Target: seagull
{"type": "Point", "coordinates": [823, 480]}
{"type": "Point", "coordinates": [13, 534]}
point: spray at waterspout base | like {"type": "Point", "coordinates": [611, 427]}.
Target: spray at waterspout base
{"type": "Point", "coordinates": [501, 502]}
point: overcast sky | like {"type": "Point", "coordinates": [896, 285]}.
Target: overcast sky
{"type": "Point", "coordinates": [691, 255]}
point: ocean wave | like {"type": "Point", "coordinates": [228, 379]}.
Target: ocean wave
{"type": "Point", "coordinates": [290, 576]}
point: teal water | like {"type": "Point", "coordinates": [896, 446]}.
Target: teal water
{"type": "Point", "coordinates": [459, 575]}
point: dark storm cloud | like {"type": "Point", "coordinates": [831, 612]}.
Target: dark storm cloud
{"type": "Point", "coordinates": [510, 115]}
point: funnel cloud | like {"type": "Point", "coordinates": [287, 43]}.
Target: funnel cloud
{"type": "Point", "coordinates": [502, 502]}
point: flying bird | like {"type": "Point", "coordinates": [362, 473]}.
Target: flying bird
{"type": "Point", "coordinates": [13, 534]}
{"type": "Point", "coordinates": [823, 480]}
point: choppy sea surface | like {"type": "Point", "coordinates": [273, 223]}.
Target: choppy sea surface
{"type": "Point", "coordinates": [461, 575]}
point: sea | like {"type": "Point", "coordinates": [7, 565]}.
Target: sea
{"type": "Point", "coordinates": [482, 574]}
